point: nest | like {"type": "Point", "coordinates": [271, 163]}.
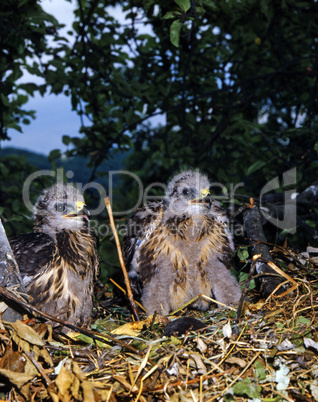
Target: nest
{"type": "Point", "coordinates": [269, 354]}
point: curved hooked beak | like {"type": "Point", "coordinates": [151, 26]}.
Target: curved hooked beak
{"type": "Point", "coordinates": [81, 211]}
{"type": "Point", "coordinates": [205, 198]}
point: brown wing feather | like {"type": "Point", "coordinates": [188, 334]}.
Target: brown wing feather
{"type": "Point", "coordinates": [63, 285]}
{"type": "Point", "coordinates": [140, 228]}
{"type": "Point", "coordinates": [32, 251]}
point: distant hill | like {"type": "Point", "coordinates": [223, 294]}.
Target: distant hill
{"type": "Point", "coordinates": [77, 164]}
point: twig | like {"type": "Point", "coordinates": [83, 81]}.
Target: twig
{"type": "Point", "coordinates": [8, 295]}
{"type": "Point", "coordinates": [204, 297]}
{"type": "Point", "coordinates": [124, 291]}
{"type": "Point", "coordinates": [39, 368]}
{"type": "Point", "coordinates": [247, 283]}
{"type": "Point", "coordinates": [238, 377]}
{"type": "Point", "coordinates": [282, 273]}
{"type": "Point", "coordinates": [121, 260]}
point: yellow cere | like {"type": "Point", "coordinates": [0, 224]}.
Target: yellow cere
{"type": "Point", "coordinates": [204, 192]}
{"type": "Point", "coordinates": [80, 205]}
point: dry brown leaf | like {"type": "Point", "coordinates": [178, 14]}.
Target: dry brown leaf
{"type": "Point", "coordinates": [255, 306]}
{"type": "Point", "coordinates": [18, 378]}
{"type": "Point", "coordinates": [13, 361]}
{"type": "Point", "coordinates": [53, 395]}
{"type": "Point", "coordinates": [198, 362]}
{"type": "Point", "coordinates": [88, 391]}
{"type": "Point", "coordinates": [64, 380]}
{"type": "Point", "coordinates": [75, 387]}
{"type": "Point", "coordinates": [46, 356]}
{"type": "Point", "coordinates": [134, 328]}
{"type": "Point", "coordinates": [125, 383]}
{"type": "Point", "coordinates": [201, 345]}
{"type": "Point", "coordinates": [26, 333]}
{"type": "Point", "coordinates": [3, 307]}
{"type": "Point", "coordinates": [77, 371]}
{"type": "Point", "coordinates": [235, 360]}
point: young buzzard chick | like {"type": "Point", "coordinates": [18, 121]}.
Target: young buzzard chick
{"type": "Point", "coordinates": [181, 247]}
{"type": "Point", "coordinates": [59, 260]}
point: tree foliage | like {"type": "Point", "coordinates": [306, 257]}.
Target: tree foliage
{"type": "Point", "coordinates": [25, 30]}
{"type": "Point", "coordinates": [239, 93]}
{"type": "Point", "coordinates": [227, 86]}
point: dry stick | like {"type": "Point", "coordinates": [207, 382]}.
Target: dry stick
{"type": "Point", "coordinates": [282, 273]}
{"type": "Point", "coordinates": [121, 260]}
{"type": "Point", "coordinates": [39, 368]}
{"type": "Point", "coordinates": [8, 295]}
{"type": "Point", "coordinates": [124, 291]}
{"type": "Point", "coordinates": [195, 380]}
{"type": "Point", "coordinates": [170, 385]}
{"type": "Point", "coordinates": [247, 283]}
{"type": "Point", "coordinates": [237, 378]}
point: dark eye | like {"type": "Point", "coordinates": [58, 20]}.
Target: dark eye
{"type": "Point", "coordinates": [186, 192]}
{"type": "Point", "coordinates": [60, 207]}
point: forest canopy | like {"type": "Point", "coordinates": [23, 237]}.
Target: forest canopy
{"type": "Point", "coordinates": [227, 86]}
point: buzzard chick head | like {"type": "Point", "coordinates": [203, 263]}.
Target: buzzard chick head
{"type": "Point", "coordinates": [188, 193]}
{"type": "Point", "coordinates": [60, 207]}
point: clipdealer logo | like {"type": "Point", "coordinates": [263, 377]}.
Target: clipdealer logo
{"type": "Point", "coordinates": [287, 222]}
{"type": "Point", "coordinates": [289, 219]}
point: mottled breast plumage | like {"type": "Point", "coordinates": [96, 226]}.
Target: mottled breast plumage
{"type": "Point", "coordinates": [183, 249]}
{"type": "Point", "coordinates": [59, 260]}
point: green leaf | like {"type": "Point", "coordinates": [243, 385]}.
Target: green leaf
{"type": "Point", "coordinates": [16, 205]}
{"type": "Point", "coordinates": [89, 340]}
{"type": "Point", "coordinates": [66, 139]}
{"type": "Point", "coordinates": [175, 29]}
{"type": "Point", "coordinates": [30, 88]}
{"type": "Point", "coordinates": [14, 126]}
{"type": "Point", "coordinates": [301, 320]}
{"type": "Point", "coordinates": [171, 14]}
{"type": "Point", "coordinates": [247, 388]}
{"type": "Point", "coordinates": [256, 166]}
{"type": "Point", "coordinates": [243, 253]}
{"type": "Point", "coordinates": [175, 341]}
{"type": "Point", "coordinates": [185, 5]}
{"type": "Point", "coordinates": [4, 170]}
{"type": "Point", "coordinates": [16, 218]}
{"type": "Point", "coordinates": [260, 371]}
{"type": "Point", "coordinates": [54, 154]}
{"type": "Point", "coordinates": [199, 10]}
{"type": "Point", "coordinates": [243, 276]}
{"type": "Point", "coordinates": [5, 100]}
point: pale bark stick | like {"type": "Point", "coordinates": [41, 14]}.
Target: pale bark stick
{"type": "Point", "coordinates": [121, 260]}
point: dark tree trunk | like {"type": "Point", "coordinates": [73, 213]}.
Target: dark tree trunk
{"type": "Point", "coordinates": [253, 227]}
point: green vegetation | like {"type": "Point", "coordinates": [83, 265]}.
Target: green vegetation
{"type": "Point", "coordinates": [77, 164]}
{"type": "Point", "coordinates": [227, 86]}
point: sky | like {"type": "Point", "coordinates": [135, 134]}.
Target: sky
{"type": "Point", "coordinates": [54, 118]}
{"type": "Point", "coordinates": [54, 115]}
